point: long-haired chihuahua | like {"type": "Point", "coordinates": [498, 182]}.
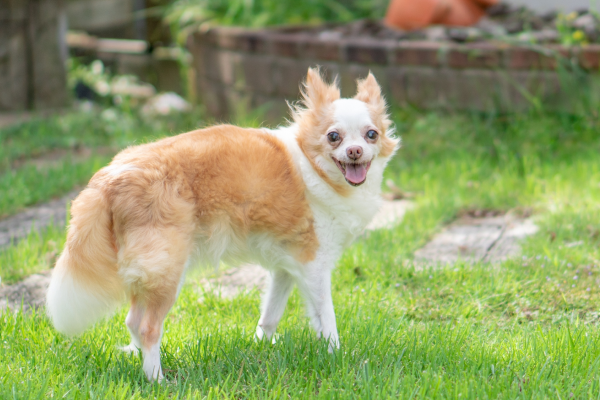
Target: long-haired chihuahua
{"type": "Point", "coordinates": [290, 199]}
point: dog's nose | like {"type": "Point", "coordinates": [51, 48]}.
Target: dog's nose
{"type": "Point", "coordinates": [354, 152]}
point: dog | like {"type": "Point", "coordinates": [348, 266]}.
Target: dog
{"type": "Point", "coordinates": [290, 199]}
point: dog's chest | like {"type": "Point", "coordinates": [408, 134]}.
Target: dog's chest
{"type": "Point", "coordinates": [338, 223]}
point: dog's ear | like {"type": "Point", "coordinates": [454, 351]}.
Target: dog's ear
{"type": "Point", "coordinates": [317, 92]}
{"type": "Point", "coordinates": [369, 92]}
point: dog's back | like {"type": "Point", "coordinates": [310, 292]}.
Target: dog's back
{"type": "Point", "coordinates": [135, 226]}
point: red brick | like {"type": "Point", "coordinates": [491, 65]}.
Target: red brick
{"type": "Point", "coordinates": [316, 49]}
{"type": "Point", "coordinates": [286, 45]}
{"type": "Point", "coordinates": [252, 42]}
{"type": "Point", "coordinates": [477, 55]}
{"type": "Point", "coordinates": [368, 51]}
{"type": "Point", "coordinates": [258, 71]}
{"type": "Point", "coordinates": [546, 57]}
{"type": "Point", "coordinates": [288, 75]}
{"type": "Point", "coordinates": [198, 39]}
{"type": "Point", "coordinates": [421, 53]}
{"type": "Point", "coordinates": [397, 86]}
{"type": "Point", "coordinates": [228, 38]}
{"type": "Point", "coordinates": [589, 56]}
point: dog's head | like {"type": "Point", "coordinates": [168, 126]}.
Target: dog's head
{"type": "Point", "coordinates": [344, 138]}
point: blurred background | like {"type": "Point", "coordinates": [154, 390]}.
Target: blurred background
{"type": "Point", "coordinates": [48, 47]}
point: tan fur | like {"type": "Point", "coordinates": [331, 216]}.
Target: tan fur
{"type": "Point", "coordinates": [153, 199]}
{"type": "Point", "coordinates": [370, 93]}
{"type": "Point", "coordinates": [88, 239]}
{"type": "Point", "coordinates": [313, 117]}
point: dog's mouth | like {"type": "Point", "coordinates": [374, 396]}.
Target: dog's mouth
{"type": "Point", "coordinates": [355, 173]}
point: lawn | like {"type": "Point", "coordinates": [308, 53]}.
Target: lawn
{"type": "Point", "coordinates": [527, 328]}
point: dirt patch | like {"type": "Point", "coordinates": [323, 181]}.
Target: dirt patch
{"type": "Point", "coordinates": [235, 281]}
{"type": "Point", "coordinates": [31, 293]}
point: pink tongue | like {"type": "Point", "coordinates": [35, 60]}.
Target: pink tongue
{"type": "Point", "coordinates": [356, 173]}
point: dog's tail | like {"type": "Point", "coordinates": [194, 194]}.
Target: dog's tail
{"type": "Point", "coordinates": [85, 283]}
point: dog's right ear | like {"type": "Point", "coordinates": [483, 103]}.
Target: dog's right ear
{"type": "Point", "coordinates": [317, 92]}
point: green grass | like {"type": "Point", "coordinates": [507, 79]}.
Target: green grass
{"type": "Point", "coordinates": [527, 328]}
{"type": "Point", "coordinates": [30, 184]}
{"type": "Point", "coordinates": [37, 252]}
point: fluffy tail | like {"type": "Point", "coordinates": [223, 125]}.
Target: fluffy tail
{"type": "Point", "coordinates": [85, 283]}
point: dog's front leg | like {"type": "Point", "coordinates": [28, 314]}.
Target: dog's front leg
{"type": "Point", "coordinates": [274, 303]}
{"type": "Point", "coordinates": [315, 286]}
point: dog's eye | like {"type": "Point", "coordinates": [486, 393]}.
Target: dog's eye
{"type": "Point", "coordinates": [372, 135]}
{"type": "Point", "coordinates": [333, 137]}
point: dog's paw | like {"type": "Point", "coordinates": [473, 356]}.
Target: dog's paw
{"type": "Point", "coordinates": [334, 344]}
{"type": "Point", "coordinates": [333, 347]}
{"type": "Point", "coordinates": [130, 349]}
{"type": "Point", "coordinates": [261, 335]}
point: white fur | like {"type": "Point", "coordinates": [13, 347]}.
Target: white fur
{"type": "Point", "coordinates": [72, 307]}
{"type": "Point", "coordinates": [115, 170]}
{"type": "Point", "coordinates": [338, 221]}
{"type": "Point", "coordinates": [352, 119]}
{"type": "Point", "coordinates": [151, 364]}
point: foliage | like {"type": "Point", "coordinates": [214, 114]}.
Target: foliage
{"type": "Point", "coordinates": [184, 15]}
{"type": "Point", "coordinates": [569, 35]}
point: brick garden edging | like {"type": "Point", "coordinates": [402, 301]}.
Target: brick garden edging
{"type": "Point", "coordinates": [265, 67]}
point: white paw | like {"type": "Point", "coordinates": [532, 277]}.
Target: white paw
{"type": "Point", "coordinates": [262, 334]}
{"type": "Point", "coordinates": [151, 364]}
{"type": "Point", "coordinates": [259, 334]}
{"type": "Point", "coordinates": [334, 343]}
{"type": "Point", "coordinates": [130, 349]}
{"type": "Point", "coordinates": [333, 347]}
{"type": "Point", "coordinates": [153, 373]}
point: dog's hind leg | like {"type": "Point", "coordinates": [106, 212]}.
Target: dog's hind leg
{"type": "Point", "coordinates": [274, 303]}
{"type": "Point", "coordinates": [150, 335]}
{"type": "Point", "coordinates": [154, 261]}
{"type": "Point", "coordinates": [133, 321]}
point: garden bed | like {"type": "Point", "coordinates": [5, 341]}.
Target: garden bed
{"type": "Point", "coordinates": [456, 68]}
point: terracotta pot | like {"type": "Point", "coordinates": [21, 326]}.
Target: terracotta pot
{"type": "Point", "coordinates": [416, 14]}
{"type": "Point", "coordinates": [486, 3]}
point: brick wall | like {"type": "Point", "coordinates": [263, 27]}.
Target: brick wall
{"type": "Point", "coordinates": [264, 68]}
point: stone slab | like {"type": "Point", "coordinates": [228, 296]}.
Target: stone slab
{"type": "Point", "coordinates": [390, 214]}
{"type": "Point", "coordinates": [472, 240]}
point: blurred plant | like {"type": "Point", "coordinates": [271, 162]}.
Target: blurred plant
{"type": "Point", "coordinates": [185, 15]}
{"type": "Point", "coordinates": [94, 76]}
{"type": "Point", "coordinates": [93, 83]}
{"type": "Point", "coordinates": [570, 35]}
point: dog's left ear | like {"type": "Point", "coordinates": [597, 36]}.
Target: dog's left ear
{"type": "Point", "coordinates": [370, 92]}
{"type": "Point", "coordinates": [317, 92]}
